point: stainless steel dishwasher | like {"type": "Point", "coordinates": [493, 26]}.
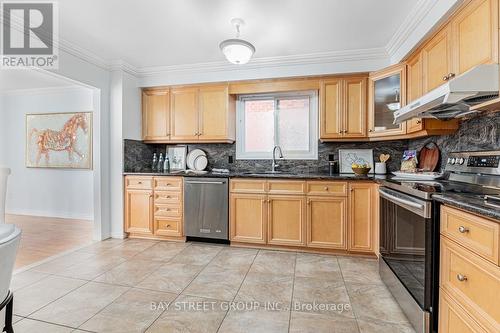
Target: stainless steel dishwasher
{"type": "Point", "coordinates": [206, 207]}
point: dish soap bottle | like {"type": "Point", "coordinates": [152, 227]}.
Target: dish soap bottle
{"type": "Point", "coordinates": [160, 162]}
{"type": "Point", "coordinates": [166, 164]}
{"type": "Point", "coordinates": [155, 162]}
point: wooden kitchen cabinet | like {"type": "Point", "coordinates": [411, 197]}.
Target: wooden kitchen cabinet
{"type": "Point", "coordinates": [139, 211]}
{"type": "Point", "coordinates": [216, 114]}
{"type": "Point", "coordinates": [386, 90]}
{"type": "Point", "coordinates": [248, 218]}
{"type": "Point", "coordinates": [343, 108]}
{"type": "Point", "coordinates": [286, 220]}
{"type": "Point", "coordinates": [327, 222]}
{"type": "Point", "coordinates": [362, 219]}
{"type": "Point", "coordinates": [437, 60]}
{"type": "Point", "coordinates": [184, 114]}
{"type": "Point", "coordinates": [475, 35]}
{"type": "Point", "coordinates": [156, 114]}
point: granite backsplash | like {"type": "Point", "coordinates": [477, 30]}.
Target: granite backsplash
{"type": "Point", "coordinates": [138, 156]}
{"type": "Point", "coordinates": [479, 133]}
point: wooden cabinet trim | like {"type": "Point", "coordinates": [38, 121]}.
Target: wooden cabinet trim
{"type": "Point", "coordinates": [258, 232]}
{"type": "Point", "coordinates": [326, 226]}
{"type": "Point", "coordinates": [274, 239]}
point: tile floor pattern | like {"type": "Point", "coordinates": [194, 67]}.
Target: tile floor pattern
{"type": "Point", "coordinates": [148, 286]}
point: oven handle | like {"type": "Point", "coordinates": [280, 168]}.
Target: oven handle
{"type": "Point", "coordinates": [420, 208]}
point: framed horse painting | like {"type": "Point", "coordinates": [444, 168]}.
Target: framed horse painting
{"type": "Point", "coordinates": [59, 140]}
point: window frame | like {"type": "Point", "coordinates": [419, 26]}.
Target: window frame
{"type": "Point", "coordinates": [311, 154]}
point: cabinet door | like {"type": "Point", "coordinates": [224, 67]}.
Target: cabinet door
{"type": "Point", "coordinates": [214, 113]}
{"type": "Point", "coordinates": [453, 318]}
{"type": "Point", "coordinates": [184, 114]}
{"type": "Point", "coordinates": [155, 114]}
{"type": "Point", "coordinates": [414, 90]}
{"type": "Point", "coordinates": [387, 93]}
{"type": "Point", "coordinates": [286, 221]}
{"type": "Point", "coordinates": [362, 217]}
{"type": "Point", "coordinates": [354, 118]}
{"type": "Point", "coordinates": [331, 109]}
{"type": "Point", "coordinates": [326, 222]}
{"type": "Point", "coordinates": [475, 35]}
{"type": "Point", "coordinates": [248, 218]}
{"type": "Point", "coordinates": [139, 211]}
{"type": "Point", "coordinates": [167, 227]}
{"type": "Point", "coordinates": [436, 60]}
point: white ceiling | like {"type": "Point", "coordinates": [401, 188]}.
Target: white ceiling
{"type": "Point", "coordinates": [29, 79]}
{"type": "Point", "coordinates": [156, 33]}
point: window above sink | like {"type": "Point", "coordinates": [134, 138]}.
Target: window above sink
{"type": "Point", "coordinates": [288, 120]}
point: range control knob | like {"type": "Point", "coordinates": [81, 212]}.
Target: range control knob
{"type": "Point", "coordinates": [449, 160]}
{"type": "Point", "coordinates": [461, 160]}
{"type": "Point", "coordinates": [453, 161]}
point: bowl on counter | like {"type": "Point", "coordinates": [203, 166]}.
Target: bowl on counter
{"type": "Point", "coordinates": [361, 171]}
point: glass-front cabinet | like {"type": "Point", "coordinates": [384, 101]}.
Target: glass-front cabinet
{"type": "Point", "coordinates": [387, 93]}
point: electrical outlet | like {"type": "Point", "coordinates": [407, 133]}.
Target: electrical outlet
{"type": "Point", "coordinates": [331, 157]}
{"type": "Point", "coordinates": [230, 159]}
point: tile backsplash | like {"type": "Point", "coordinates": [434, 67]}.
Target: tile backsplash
{"type": "Point", "coordinates": [479, 133]}
{"type": "Point", "coordinates": [138, 156]}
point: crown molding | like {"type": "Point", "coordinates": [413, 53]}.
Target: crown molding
{"type": "Point", "coordinates": [42, 91]}
{"type": "Point", "coordinates": [269, 62]}
{"type": "Point", "coordinates": [409, 25]}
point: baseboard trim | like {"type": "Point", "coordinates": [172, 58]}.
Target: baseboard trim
{"type": "Point", "coordinates": [59, 215]}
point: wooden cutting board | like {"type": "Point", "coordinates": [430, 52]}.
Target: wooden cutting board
{"type": "Point", "coordinates": [428, 158]}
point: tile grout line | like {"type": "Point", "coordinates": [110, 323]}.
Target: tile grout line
{"type": "Point", "coordinates": [236, 294]}
{"type": "Point", "coordinates": [293, 290]}
{"type": "Point", "coordinates": [179, 294]}
{"type": "Point", "coordinates": [348, 295]}
{"type": "Point", "coordinates": [129, 287]}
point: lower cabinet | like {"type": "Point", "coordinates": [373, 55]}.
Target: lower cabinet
{"type": "Point", "coordinates": [139, 211]}
{"type": "Point", "coordinates": [363, 214]}
{"type": "Point", "coordinates": [154, 207]}
{"type": "Point", "coordinates": [327, 222]}
{"type": "Point", "coordinates": [324, 216]}
{"type": "Point", "coordinates": [248, 218]}
{"type": "Point", "coordinates": [286, 224]}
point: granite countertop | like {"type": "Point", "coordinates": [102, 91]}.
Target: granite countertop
{"type": "Point", "coordinates": [470, 203]}
{"type": "Point", "coordinates": [259, 174]}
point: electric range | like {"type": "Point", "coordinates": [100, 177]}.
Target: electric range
{"type": "Point", "coordinates": [409, 230]}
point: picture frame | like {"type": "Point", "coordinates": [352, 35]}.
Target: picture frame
{"type": "Point", "coordinates": [59, 140]}
{"type": "Point", "coordinates": [349, 156]}
{"type": "Point", "coordinates": [177, 157]}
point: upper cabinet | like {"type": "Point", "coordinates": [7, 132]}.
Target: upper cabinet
{"type": "Point", "coordinates": [387, 93]}
{"type": "Point", "coordinates": [343, 108]}
{"type": "Point", "coordinates": [475, 35]}
{"type": "Point", "coordinates": [189, 114]}
{"type": "Point", "coordinates": [155, 114]}
{"type": "Point", "coordinates": [436, 60]}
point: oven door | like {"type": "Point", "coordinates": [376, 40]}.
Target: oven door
{"type": "Point", "coordinates": [406, 242]}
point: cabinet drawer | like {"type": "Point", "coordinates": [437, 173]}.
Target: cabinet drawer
{"type": "Point", "coordinates": [143, 183]}
{"type": "Point", "coordinates": [286, 187]}
{"type": "Point", "coordinates": [166, 197]}
{"type": "Point", "coordinates": [327, 188]}
{"type": "Point", "coordinates": [472, 281]}
{"type": "Point", "coordinates": [453, 318]}
{"type": "Point", "coordinates": [168, 227]}
{"type": "Point", "coordinates": [174, 210]}
{"type": "Point", "coordinates": [248, 186]}
{"type": "Point", "coordinates": [168, 183]}
{"type": "Point", "coordinates": [473, 232]}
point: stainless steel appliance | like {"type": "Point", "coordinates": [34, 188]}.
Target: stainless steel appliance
{"type": "Point", "coordinates": [409, 229]}
{"type": "Point", "coordinates": [455, 97]}
{"type": "Point", "coordinates": [206, 207]}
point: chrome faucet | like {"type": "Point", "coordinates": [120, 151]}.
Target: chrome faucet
{"type": "Point", "coordinates": [274, 165]}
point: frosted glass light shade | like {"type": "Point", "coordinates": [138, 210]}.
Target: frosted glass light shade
{"type": "Point", "coordinates": [237, 51]}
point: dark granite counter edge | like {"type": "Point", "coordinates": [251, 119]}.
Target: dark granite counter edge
{"type": "Point", "coordinates": [469, 205]}
{"type": "Point", "coordinates": [303, 176]}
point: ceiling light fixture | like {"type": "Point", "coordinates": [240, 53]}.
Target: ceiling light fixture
{"type": "Point", "coordinates": [236, 50]}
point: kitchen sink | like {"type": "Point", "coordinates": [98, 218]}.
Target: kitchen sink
{"type": "Point", "coordinates": [269, 173]}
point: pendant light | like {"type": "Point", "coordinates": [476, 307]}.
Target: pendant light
{"type": "Point", "coordinates": [236, 50]}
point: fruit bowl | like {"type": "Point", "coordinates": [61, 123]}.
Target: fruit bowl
{"type": "Point", "coordinates": [361, 171]}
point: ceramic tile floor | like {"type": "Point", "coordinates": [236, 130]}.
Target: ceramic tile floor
{"type": "Point", "coordinates": [148, 286]}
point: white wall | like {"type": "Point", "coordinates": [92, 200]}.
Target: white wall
{"type": "Point", "coordinates": [2, 132]}
{"type": "Point", "coordinates": [45, 192]}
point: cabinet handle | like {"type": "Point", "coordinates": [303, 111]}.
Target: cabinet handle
{"type": "Point", "coordinates": [345, 131]}
{"type": "Point", "coordinates": [419, 122]}
{"type": "Point", "coordinates": [463, 229]}
{"type": "Point", "coordinates": [451, 76]}
{"type": "Point", "coordinates": [140, 183]}
{"type": "Point", "coordinates": [168, 225]}
{"type": "Point", "coordinates": [326, 188]}
{"type": "Point", "coordinates": [461, 277]}
{"type": "Point", "coordinates": [370, 130]}
{"type": "Point", "coordinates": [445, 78]}
{"type": "Point", "coordinates": [308, 202]}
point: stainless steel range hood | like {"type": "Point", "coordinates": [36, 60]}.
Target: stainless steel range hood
{"type": "Point", "coordinates": [454, 98]}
